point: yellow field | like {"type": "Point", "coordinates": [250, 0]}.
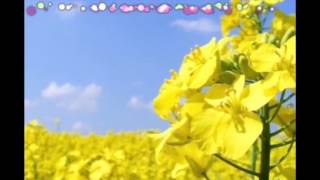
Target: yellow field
{"type": "Point", "coordinates": [129, 155]}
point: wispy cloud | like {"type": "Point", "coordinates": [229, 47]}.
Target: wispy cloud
{"type": "Point", "coordinates": [55, 91]}
{"type": "Point", "coordinates": [29, 104]}
{"type": "Point", "coordinates": [136, 102]}
{"type": "Point", "coordinates": [203, 25]}
{"type": "Point", "coordinates": [80, 126]}
{"type": "Point", "coordinates": [74, 98]}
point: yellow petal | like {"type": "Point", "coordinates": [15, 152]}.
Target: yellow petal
{"type": "Point", "coordinates": [208, 50]}
{"type": "Point", "coordinates": [192, 108]}
{"type": "Point", "coordinates": [282, 22]}
{"type": "Point", "coordinates": [217, 94]}
{"type": "Point", "coordinates": [290, 50]}
{"type": "Point", "coordinates": [238, 84]}
{"type": "Point", "coordinates": [236, 143]}
{"type": "Point", "coordinates": [203, 75]}
{"type": "Point", "coordinates": [265, 58]}
{"type": "Point", "coordinates": [256, 95]}
{"type": "Point", "coordinates": [255, 2]}
{"type": "Point", "coordinates": [272, 2]}
{"type": "Point", "coordinates": [286, 81]}
{"type": "Point", "coordinates": [284, 117]}
{"type": "Point", "coordinates": [166, 100]}
{"type": "Point", "coordinates": [205, 129]}
{"type": "Point", "coordinates": [218, 132]}
{"type": "Point", "coordinates": [280, 80]}
{"type": "Point", "coordinates": [187, 68]}
{"type": "Point", "coordinates": [229, 22]}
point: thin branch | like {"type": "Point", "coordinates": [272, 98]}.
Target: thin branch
{"type": "Point", "coordinates": [284, 101]}
{"type": "Point", "coordinates": [236, 166]}
{"type": "Point", "coordinates": [283, 157]}
{"type": "Point", "coordinates": [249, 81]}
{"type": "Point", "coordinates": [283, 128]}
{"type": "Point", "coordinates": [283, 144]}
{"type": "Point", "coordinates": [289, 97]}
{"type": "Point", "coordinates": [278, 107]}
{"type": "Point", "coordinates": [254, 157]}
{"type": "Point", "coordinates": [205, 176]}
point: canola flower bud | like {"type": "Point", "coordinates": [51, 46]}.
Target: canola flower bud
{"type": "Point", "coordinates": [227, 77]}
{"type": "Point", "coordinates": [245, 68]}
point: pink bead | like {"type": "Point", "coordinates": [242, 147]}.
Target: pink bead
{"type": "Point", "coordinates": [140, 7]}
{"type": "Point", "coordinates": [207, 9]}
{"type": "Point", "coordinates": [112, 8]}
{"type": "Point", "coordinates": [126, 8]}
{"type": "Point", "coordinates": [164, 9]}
{"type": "Point", "coordinates": [190, 10]}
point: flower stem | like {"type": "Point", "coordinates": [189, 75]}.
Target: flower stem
{"type": "Point", "coordinates": [205, 176]}
{"type": "Point", "coordinates": [283, 128]}
{"type": "Point", "coordinates": [254, 157]}
{"type": "Point", "coordinates": [236, 166]}
{"type": "Point", "coordinates": [283, 143]}
{"type": "Point", "coordinates": [265, 146]}
{"type": "Point", "coordinates": [283, 157]}
{"type": "Point", "coordinates": [278, 107]}
{"type": "Point", "coordinates": [284, 101]}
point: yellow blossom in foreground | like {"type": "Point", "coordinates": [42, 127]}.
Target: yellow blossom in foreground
{"type": "Point", "coordinates": [230, 126]}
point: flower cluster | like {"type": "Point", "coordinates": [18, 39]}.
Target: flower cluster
{"type": "Point", "coordinates": [226, 92]}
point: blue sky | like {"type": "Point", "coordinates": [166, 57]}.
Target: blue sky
{"type": "Point", "coordinates": [99, 72]}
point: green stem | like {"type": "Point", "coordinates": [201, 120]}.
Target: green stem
{"type": "Point", "coordinates": [236, 166]}
{"type": "Point", "coordinates": [283, 144]}
{"type": "Point", "coordinates": [205, 176]}
{"type": "Point", "coordinates": [278, 107]}
{"type": "Point", "coordinates": [282, 102]}
{"type": "Point", "coordinates": [254, 157]}
{"type": "Point", "coordinates": [283, 157]}
{"type": "Point", "coordinates": [265, 146]}
{"type": "Point", "coordinates": [282, 129]}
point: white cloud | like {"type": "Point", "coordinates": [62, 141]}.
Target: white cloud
{"type": "Point", "coordinates": [87, 99]}
{"type": "Point", "coordinates": [74, 98]}
{"type": "Point", "coordinates": [54, 90]}
{"type": "Point", "coordinates": [77, 126]}
{"type": "Point", "coordinates": [29, 104]}
{"type": "Point", "coordinates": [200, 25]}
{"type": "Point", "coordinates": [136, 102]}
{"type": "Point", "coordinates": [81, 127]}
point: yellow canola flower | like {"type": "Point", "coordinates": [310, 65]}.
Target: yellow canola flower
{"type": "Point", "coordinates": [279, 62]}
{"type": "Point", "coordinates": [230, 126]}
{"type": "Point", "coordinates": [245, 44]}
{"type": "Point", "coordinates": [287, 169]}
{"type": "Point", "coordinates": [199, 68]}
{"type": "Point", "coordinates": [34, 123]}
{"type": "Point", "coordinates": [99, 169]}
{"type": "Point", "coordinates": [228, 23]}
{"type": "Point", "coordinates": [286, 116]}
{"type": "Point", "coordinates": [268, 2]}
{"type": "Point", "coordinates": [282, 22]}
{"type": "Point", "coordinates": [176, 146]}
{"type": "Point", "coordinates": [169, 97]}
{"type": "Point", "coordinates": [245, 19]}
{"type": "Point", "coordinates": [201, 65]}
{"type": "Point", "coordinates": [272, 2]}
